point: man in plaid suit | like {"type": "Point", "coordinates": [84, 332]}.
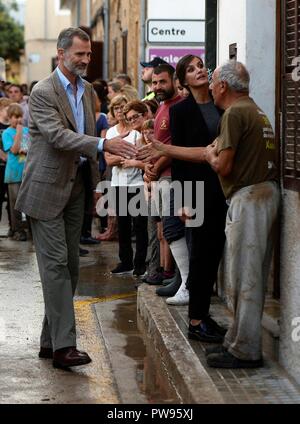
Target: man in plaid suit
{"type": "Point", "coordinates": [62, 131]}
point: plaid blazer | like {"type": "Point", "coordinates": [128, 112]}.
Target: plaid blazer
{"type": "Point", "coordinates": [55, 150]}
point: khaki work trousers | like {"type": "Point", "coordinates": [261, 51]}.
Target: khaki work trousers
{"type": "Point", "coordinates": [249, 231]}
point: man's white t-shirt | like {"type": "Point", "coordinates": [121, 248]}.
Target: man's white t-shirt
{"type": "Point", "coordinates": [129, 176]}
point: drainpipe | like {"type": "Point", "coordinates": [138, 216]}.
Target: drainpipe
{"type": "Point", "coordinates": [88, 13]}
{"type": "Point", "coordinates": [143, 15]}
{"type": "Point", "coordinates": [106, 40]}
{"type": "Point", "coordinates": [45, 19]}
{"type": "Point", "coordinates": [78, 12]}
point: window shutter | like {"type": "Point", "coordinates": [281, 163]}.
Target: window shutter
{"type": "Point", "coordinates": [291, 96]}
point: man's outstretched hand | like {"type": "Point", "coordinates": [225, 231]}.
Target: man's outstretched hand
{"type": "Point", "coordinates": [118, 146]}
{"type": "Point", "coordinates": [151, 151]}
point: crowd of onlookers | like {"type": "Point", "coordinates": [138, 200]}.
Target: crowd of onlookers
{"type": "Point", "coordinates": [118, 110]}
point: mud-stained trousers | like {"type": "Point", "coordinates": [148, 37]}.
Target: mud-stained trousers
{"type": "Point", "coordinates": [250, 226]}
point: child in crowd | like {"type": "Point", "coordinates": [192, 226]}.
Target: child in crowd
{"type": "Point", "coordinates": [147, 128]}
{"type": "Point", "coordinates": [15, 144]}
{"type": "Point", "coordinates": [4, 103]}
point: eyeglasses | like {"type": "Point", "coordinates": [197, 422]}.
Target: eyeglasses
{"type": "Point", "coordinates": [118, 108]}
{"type": "Point", "coordinates": [133, 118]}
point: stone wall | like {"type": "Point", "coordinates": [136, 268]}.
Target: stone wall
{"type": "Point", "coordinates": [124, 19]}
{"type": "Point", "coordinates": [290, 284]}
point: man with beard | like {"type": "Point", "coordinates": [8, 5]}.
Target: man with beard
{"type": "Point", "coordinates": [172, 227]}
{"type": "Point", "coordinates": [62, 132]}
{"type": "Point", "coordinates": [147, 73]}
{"type": "Point", "coordinates": [165, 92]}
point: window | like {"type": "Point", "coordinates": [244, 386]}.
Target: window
{"type": "Point", "coordinates": [61, 9]}
{"type": "Point", "coordinates": [115, 53]}
{"type": "Point", "coordinates": [124, 51]}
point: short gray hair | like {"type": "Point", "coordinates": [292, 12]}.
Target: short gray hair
{"type": "Point", "coordinates": [236, 76]}
{"type": "Point", "coordinates": [66, 36]}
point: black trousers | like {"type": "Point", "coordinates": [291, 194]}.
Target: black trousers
{"type": "Point", "coordinates": [3, 191]}
{"type": "Point", "coordinates": [207, 244]}
{"type": "Point", "coordinates": [88, 199]}
{"type": "Point", "coordinates": [125, 225]}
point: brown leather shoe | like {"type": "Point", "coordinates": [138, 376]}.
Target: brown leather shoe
{"type": "Point", "coordinates": [69, 357]}
{"type": "Point", "coordinates": [46, 353]}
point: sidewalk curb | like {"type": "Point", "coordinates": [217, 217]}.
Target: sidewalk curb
{"type": "Point", "coordinates": [193, 384]}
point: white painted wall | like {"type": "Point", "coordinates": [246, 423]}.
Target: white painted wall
{"type": "Point", "coordinates": [176, 9]}
{"type": "Point", "coordinates": [289, 350]}
{"type": "Point", "coordinates": [231, 29]}
{"type": "Point", "coordinates": [252, 25]}
{"type": "Point", "coordinates": [261, 53]}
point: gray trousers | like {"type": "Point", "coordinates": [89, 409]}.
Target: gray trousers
{"type": "Point", "coordinates": [57, 249]}
{"type": "Point", "coordinates": [153, 245]}
{"type": "Point", "coordinates": [250, 237]}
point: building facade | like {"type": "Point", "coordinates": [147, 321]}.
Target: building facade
{"type": "Point", "coordinates": [121, 26]}
{"type": "Point", "coordinates": [44, 20]}
{"type": "Point", "coordinates": [116, 24]}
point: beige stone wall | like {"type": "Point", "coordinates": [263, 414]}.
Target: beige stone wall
{"type": "Point", "coordinates": [98, 30]}
{"type": "Point", "coordinates": [124, 17]}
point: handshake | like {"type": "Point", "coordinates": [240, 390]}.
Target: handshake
{"type": "Point", "coordinates": [120, 147]}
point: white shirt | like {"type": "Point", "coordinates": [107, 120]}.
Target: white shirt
{"type": "Point", "coordinates": [127, 177]}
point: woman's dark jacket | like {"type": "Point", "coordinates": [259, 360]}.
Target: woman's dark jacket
{"type": "Point", "coordinates": [188, 129]}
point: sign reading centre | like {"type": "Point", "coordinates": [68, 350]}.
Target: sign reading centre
{"type": "Point", "coordinates": [175, 31]}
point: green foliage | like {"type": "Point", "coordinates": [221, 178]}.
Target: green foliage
{"type": "Point", "coordinates": [11, 33]}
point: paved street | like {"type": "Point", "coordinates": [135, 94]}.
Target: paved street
{"type": "Point", "coordinates": [121, 370]}
{"type": "Point", "coordinates": [135, 360]}
{"type": "Point", "coordinates": [24, 377]}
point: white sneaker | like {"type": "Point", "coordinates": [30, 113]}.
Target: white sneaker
{"type": "Point", "coordinates": [180, 298]}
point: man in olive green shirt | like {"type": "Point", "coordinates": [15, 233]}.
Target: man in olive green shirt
{"type": "Point", "coordinates": [244, 156]}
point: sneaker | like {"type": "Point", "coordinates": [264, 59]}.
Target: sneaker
{"type": "Point", "coordinates": [122, 270]}
{"type": "Point", "coordinates": [181, 298]}
{"type": "Point", "coordinates": [145, 276]}
{"type": "Point", "coordinates": [215, 349]}
{"type": "Point", "coordinates": [83, 252]}
{"type": "Point", "coordinates": [167, 275]}
{"type": "Point", "coordinates": [211, 323]}
{"type": "Point", "coordinates": [203, 333]}
{"type": "Point", "coordinates": [154, 280]}
{"type": "Point", "coordinates": [171, 289]}
{"type": "Point", "coordinates": [168, 281]}
{"type": "Point", "coordinates": [227, 360]}
{"type": "Point", "coordinates": [139, 271]}
{"type": "Point", "coordinates": [20, 236]}
{"type": "Point", "coordinates": [89, 240]}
